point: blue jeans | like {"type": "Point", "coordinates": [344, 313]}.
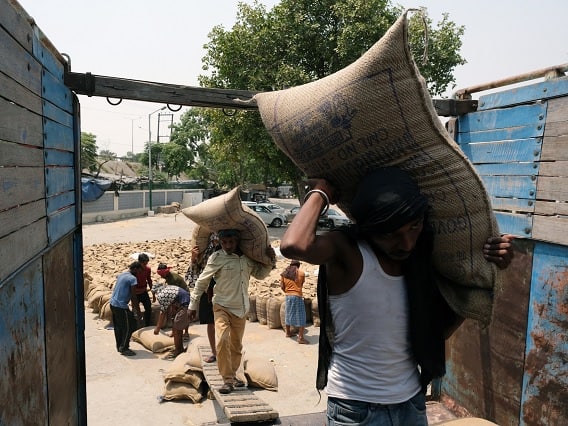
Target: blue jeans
{"type": "Point", "coordinates": [350, 412]}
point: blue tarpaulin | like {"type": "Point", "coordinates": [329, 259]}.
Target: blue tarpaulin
{"type": "Point", "coordinates": [92, 189]}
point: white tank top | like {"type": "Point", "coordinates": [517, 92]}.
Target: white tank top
{"type": "Point", "coordinates": [372, 360]}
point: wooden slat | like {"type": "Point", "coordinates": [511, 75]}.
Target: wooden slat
{"type": "Point", "coordinates": [21, 185]}
{"type": "Point", "coordinates": [16, 22]}
{"type": "Point", "coordinates": [547, 89]}
{"type": "Point", "coordinates": [548, 208]}
{"type": "Point", "coordinates": [554, 148]}
{"type": "Point", "coordinates": [60, 201]}
{"type": "Point", "coordinates": [19, 247]}
{"type": "Point", "coordinates": [23, 215]}
{"type": "Point", "coordinates": [524, 150]}
{"type": "Point", "coordinates": [13, 154]}
{"type": "Point", "coordinates": [20, 125]}
{"type": "Point", "coordinates": [58, 136]}
{"type": "Point", "coordinates": [56, 92]}
{"type": "Point", "coordinates": [59, 180]}
{"type": "Point", "coordinates": [60, 223]}
{"type": "Point", "coordinates": [18, 94]}
{"type": "Point", "coordinates": [239, 406]}
{"type": "Point", "coordinates": [22, 67]}
{"type": "Point", "coordinates": [552, 188]}
{"type": "Point", "coordinates": [516, 224]}
{"type": "Point", "coordinates": [557, 128]}
{"type": "Point", "coordinates": [510, 186]}
{"type": "Point", "coordinates": [522, 115]}
{"type": "Point", "coordinates": [508, 169]}
{"type": "Point", "coordinates": [557, 168]}
{"type": "Point", "coordinates": [513, 204]}
{"type": "Point", "coordinates": [510, 133]}
{"type": "Point", "coordinates": [557, 110]}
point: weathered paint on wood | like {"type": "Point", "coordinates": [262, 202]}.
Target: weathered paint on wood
{"type": "Point", "coordinates": [515, 224]}
{"type": "Point", "coordinates": [24, 126]}
{"type": "Point", "coordinates": [511, 186]}
{"type": "Point", "coordinates": [41, 343]}
{"type": "Point", "coordinates": [22, 347]}
{"type": "Point", "coordinates": [60, 223]}
{"type": "Point", "coordinates": [503, 151]}
{"type": "Point", "coordinates": [22, 67]}
{"type": "Point", "coordinates": [511, 133]}
{"type": "Point", "coordinates": [503, 118]}
{"type": "Point", "coordinates": [60, 330]}
{"type": "Point", "coordinates": [20, 188]}
{"type": "Point", "coordinates": [545, 380]}
{"type": "Point", "coordinates": [29, 241]}
{"type": "Point", "coordinates": [532, 93]}
{"type": "Point", "coordinates": [485, 366]}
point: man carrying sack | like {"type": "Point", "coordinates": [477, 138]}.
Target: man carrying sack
{"type": "Point", "coordinates": [231, 269]}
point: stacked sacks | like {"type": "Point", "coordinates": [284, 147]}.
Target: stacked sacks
{"type": "Point", "coordinates": [375, 113]}
{"type": "Point", "coordinates": [185, 380]}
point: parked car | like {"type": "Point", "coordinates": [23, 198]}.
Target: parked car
{"type": "Point", "coordinates": [269, 217]}
{"type": "Point", "coordinates": [274, 207]}
{"type": "Point", "coordinates": [323, 220]}
{"type": "Point", "coordinates": [334, 219]}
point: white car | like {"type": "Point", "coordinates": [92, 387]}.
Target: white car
{"type": "Point", "coordinates": [269, 217]}
{"type": "Point", "coordinates": [334, 219]}
{"type": "Point", "coordinates": [274, 207]}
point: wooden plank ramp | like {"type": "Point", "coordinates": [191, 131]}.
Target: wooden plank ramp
{"type": "Point", "coordinates": [241, 405]}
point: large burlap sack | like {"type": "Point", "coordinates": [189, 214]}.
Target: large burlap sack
{"type": "Point", "coordinates": [273, 312]}
{"type": "Point", "coordinates": [377, 112]}
{"type": "Point", "coordinates": [261, 302]}
{"type": "Point", "coordinates": [176, 390]}
{"type": "Point", "coordinates": [251, 314]}
{"type": "Point", "coordinates": [155, 343]}
{"type": "Point", "coordinates": [227, 212]}
{"type": "Point", "coordinates": [260, 373]}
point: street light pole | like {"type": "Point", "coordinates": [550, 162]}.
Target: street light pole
{"type": "Point", "coordinates": [150, 156]}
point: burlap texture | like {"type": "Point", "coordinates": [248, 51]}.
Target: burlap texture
{"type": "Point", "coordinates": [227, 212]}
{"type": "Point", "coordinates": [377, 112]}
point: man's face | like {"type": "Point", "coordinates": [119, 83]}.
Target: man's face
{"type": "Point", "coordinates": [399, 244]}
{"type": "Point", "coordinates": [229, 244]}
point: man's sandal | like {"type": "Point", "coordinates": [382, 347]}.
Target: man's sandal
{"type": "Point", "coordinates": [239, 383]}
{"type": "Point", "coordinates": [210, 359]}
{"type": "Point", "coordinates": [302, 341]}
{"type": "Point", "coordinates": [226, 388]}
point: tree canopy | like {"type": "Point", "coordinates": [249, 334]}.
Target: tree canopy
{"type": "Point", "coordinates": [295, 42]}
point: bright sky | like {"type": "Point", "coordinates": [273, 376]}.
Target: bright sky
{"type": "Point", "coordinates": [163, 42]}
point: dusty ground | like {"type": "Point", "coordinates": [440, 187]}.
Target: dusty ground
{"type": "Point", "coordinates": [126, 391]}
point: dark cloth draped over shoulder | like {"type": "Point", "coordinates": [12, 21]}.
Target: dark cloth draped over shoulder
{"type": "Point", "coordinates": [429, 315]}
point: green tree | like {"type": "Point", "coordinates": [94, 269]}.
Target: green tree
{"type": "Point", "coordinates": [296, 42]}
{"type": "Point", "coordinates": [88, 152]}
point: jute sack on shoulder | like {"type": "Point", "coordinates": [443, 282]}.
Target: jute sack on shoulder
{"type": "Point", "coordinates": [227, 212]}
{"type": "Point", "coordinates": [377, 112]}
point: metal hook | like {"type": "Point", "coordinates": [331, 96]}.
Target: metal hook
{"type": "Point", "coordinates": [173, 110]}
{"type": "Point", "coordinates": [229, 114]}
{"type": "Point", "coordinates": [114, 104]}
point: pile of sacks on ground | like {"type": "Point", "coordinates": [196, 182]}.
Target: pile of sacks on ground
{"type": "Point", "coordinates": [103, 262]}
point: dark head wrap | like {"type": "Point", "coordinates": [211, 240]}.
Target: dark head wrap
{"type": "Point", "coordinates": [291, 271]}
{"type": "Point", "coordinates": [387, 199]}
